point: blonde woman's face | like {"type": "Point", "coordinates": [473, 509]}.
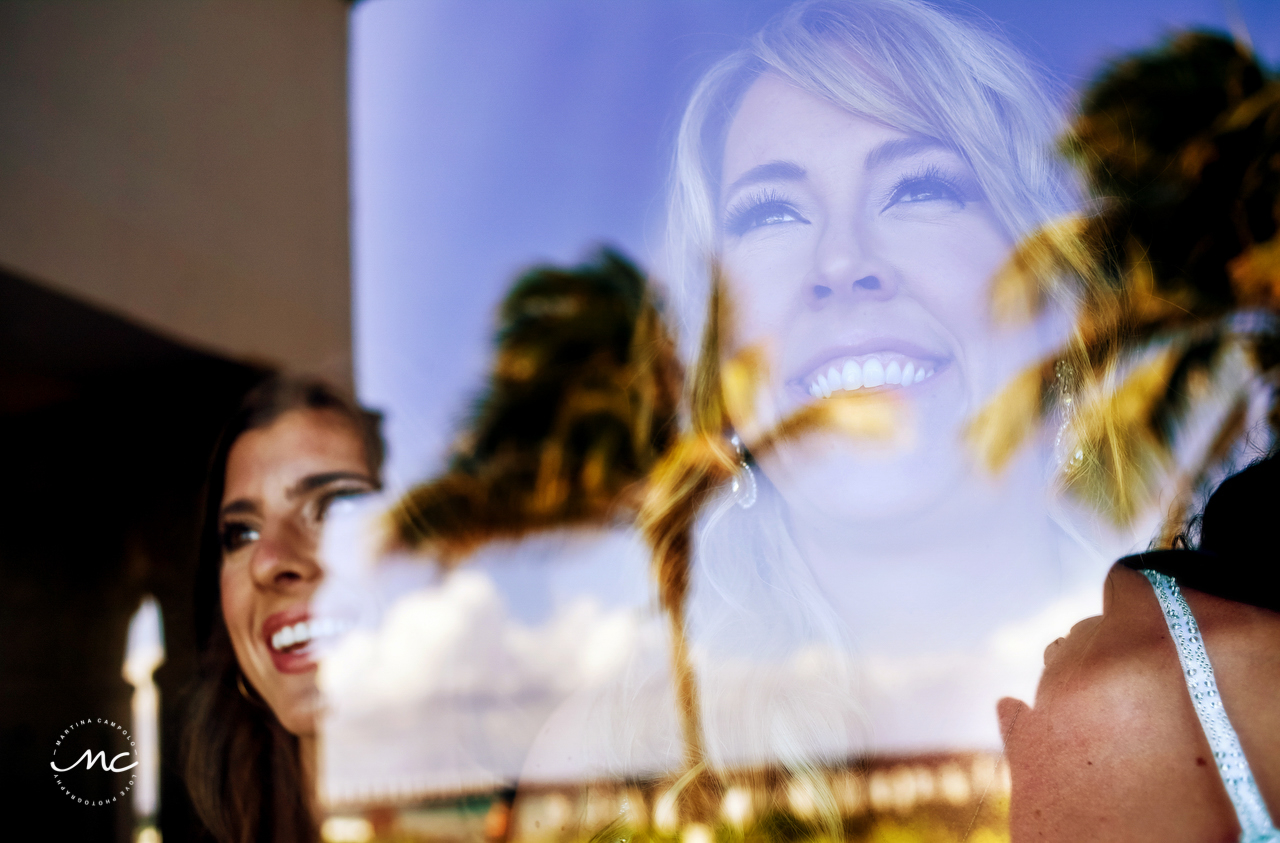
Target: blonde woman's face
{"type": "Point", "coordinates": [858, 260]}
{"type": "Point", "coordinates": [281, 482]}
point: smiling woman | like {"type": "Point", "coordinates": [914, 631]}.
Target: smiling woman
{"type": "Point", "coordinates": [293, 451]}
{"type": "Point", "coordinates": [846, 188]}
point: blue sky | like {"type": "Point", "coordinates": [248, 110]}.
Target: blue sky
{"type": "Point", "coordinates": [488, 135]}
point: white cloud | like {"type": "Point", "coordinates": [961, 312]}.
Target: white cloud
{"type": "Point", "coordinates": [445, 685]}
{"type": "Point", "coordinates": [555, 643]}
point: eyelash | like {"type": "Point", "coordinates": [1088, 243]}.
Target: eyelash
{"type": "Point", "coordinates": [745, 215]}
{"type": "Point", "coordinates": [232, 535]}
{"type": "Point", "coordinates": [324, 503]}
{"type": "Point", "coordinates": [931, 174]}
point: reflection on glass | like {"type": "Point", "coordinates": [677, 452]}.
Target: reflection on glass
{"type": "Point", "coordinates": [859, 585]}
{"type": "Point", "coordinates": [843, 585]}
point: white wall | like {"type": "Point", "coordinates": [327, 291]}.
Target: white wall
{"type": "Point", "coordinates": [184, 164]}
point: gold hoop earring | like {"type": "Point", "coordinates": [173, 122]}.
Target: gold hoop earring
{"type": "Point", "coordinates": [244, 692]}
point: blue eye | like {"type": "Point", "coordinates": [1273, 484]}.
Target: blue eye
{"type": "Point", "coordinates": [930, 185]}
{"type": "Point", "coordinates": [926, 190]}
{"type": "Point", "coordinates": [759, 211]}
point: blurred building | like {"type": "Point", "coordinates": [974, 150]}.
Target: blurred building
{"type": "Point", "coordinates": [173, 225]}
{"type": "Point", "coordinates": [922, 796]}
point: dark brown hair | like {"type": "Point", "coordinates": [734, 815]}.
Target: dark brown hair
{"type": "Point", "coordinates": [243, 769]}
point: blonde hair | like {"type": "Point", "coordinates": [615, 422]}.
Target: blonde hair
{"type": "Point", "coordinates": [903, 63]}
{"type": "Point", "coordinates": [732, 573]}
{"type": "Point", "coordinates": [908, 65]}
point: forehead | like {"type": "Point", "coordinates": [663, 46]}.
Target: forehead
{"type": "Point", "coordinates": [779, 121]}
{"type": "Point", "coordinates": [297, 444]}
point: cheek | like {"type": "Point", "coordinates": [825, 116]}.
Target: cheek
{"type": "Point", "coordinates": [762, 283]}
{"type": "Point", "coordinates": [950, 270]}
{"type": "Point", "coordinates": [237, 601]}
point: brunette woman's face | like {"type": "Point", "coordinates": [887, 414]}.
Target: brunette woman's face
{"type": "Point", "coordinates": [858, 259]}
{"type": "Point", "coordinates": [280, 483]}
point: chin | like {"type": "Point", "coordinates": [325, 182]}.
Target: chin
{"type": "Point", "coordinates": [298, 723]}
{"type": "Point", "coordinates": [296, 709]}
{"type": "Point", "coordinates": [853, 485]}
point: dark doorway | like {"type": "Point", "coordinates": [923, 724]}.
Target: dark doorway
{"type": "Point", "coordinates": [107, 428]}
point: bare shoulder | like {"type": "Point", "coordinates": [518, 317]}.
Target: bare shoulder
{"type": "Point", "coordinates": [1243, 643]}
{"type": "Point", "coordinates": [1112, 749]}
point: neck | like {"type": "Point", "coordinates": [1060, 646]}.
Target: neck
{"type": "Point", "coordinates": [989, 556]}
{"type": "Point", "coordinates": [307, 759]}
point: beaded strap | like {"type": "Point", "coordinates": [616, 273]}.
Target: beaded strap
{"type": "Point", "coordinates": [1255, 821]}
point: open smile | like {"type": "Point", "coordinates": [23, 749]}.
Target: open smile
{"type": "Point", "coordinates": [895, 365]}
{"type": "Point", "coordinates": [289, 636]}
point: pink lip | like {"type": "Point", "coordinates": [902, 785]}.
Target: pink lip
{"type": "Point", "coordinates": [294, 661]}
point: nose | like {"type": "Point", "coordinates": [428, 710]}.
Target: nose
{"type": "Point", "coordinates": [847, 268]}
{"type": "Point", "coordinates": [285, 559]}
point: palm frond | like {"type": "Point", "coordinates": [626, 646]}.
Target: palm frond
{"type": "Point", "coordinates": [1180, 147]}
{"type": "Point", "coordinates": [580, 405]}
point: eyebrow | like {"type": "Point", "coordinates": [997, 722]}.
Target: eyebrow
{"type": "Point", "coordinates": [899, 148]}
{"type": "Point", "coordinates": [772, 171]}
{"type": "Point", "coordinates": [238, 507]}
{"type": "Point", "coordinates": [318, 481]}
{"type": "Point", "coordinates": [310, 483]}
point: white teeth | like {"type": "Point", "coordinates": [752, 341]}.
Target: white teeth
{"type": "Point", "coordinates": [298, 633]}
{"type": "Point", "coordinates": [852, 375]}
{"type": "Point", "coordinates": [306, 631]}
{"type": "Point", "coordinates": [872, 373]}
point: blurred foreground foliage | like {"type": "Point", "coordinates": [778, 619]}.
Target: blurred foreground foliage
{"type": "Point", "coordinates": [923, 824]}
{"type": "Point", "coordinates": [1173, 280]}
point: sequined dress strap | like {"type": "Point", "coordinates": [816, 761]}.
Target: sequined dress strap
{"type": "Point", "coordinates": [1255, 821]}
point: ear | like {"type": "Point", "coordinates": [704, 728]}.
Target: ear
{"type": "Point", "coordinates": [1008, 710]}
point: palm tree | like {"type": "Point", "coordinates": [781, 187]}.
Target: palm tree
{"type": "Point", "coordinates": [577, 427]}
{"type": "Point", "coordinates": [582, 400]}
{"type": "Point", "coordinates": [703, 461]}
{"type": "Point", "coordinates": [1174, 278]}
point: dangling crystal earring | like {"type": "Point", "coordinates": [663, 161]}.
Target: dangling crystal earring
{"type": "Point", "coordinates": [744, 482]}
{"type": "Point", "coordinates": [1065, 385]}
